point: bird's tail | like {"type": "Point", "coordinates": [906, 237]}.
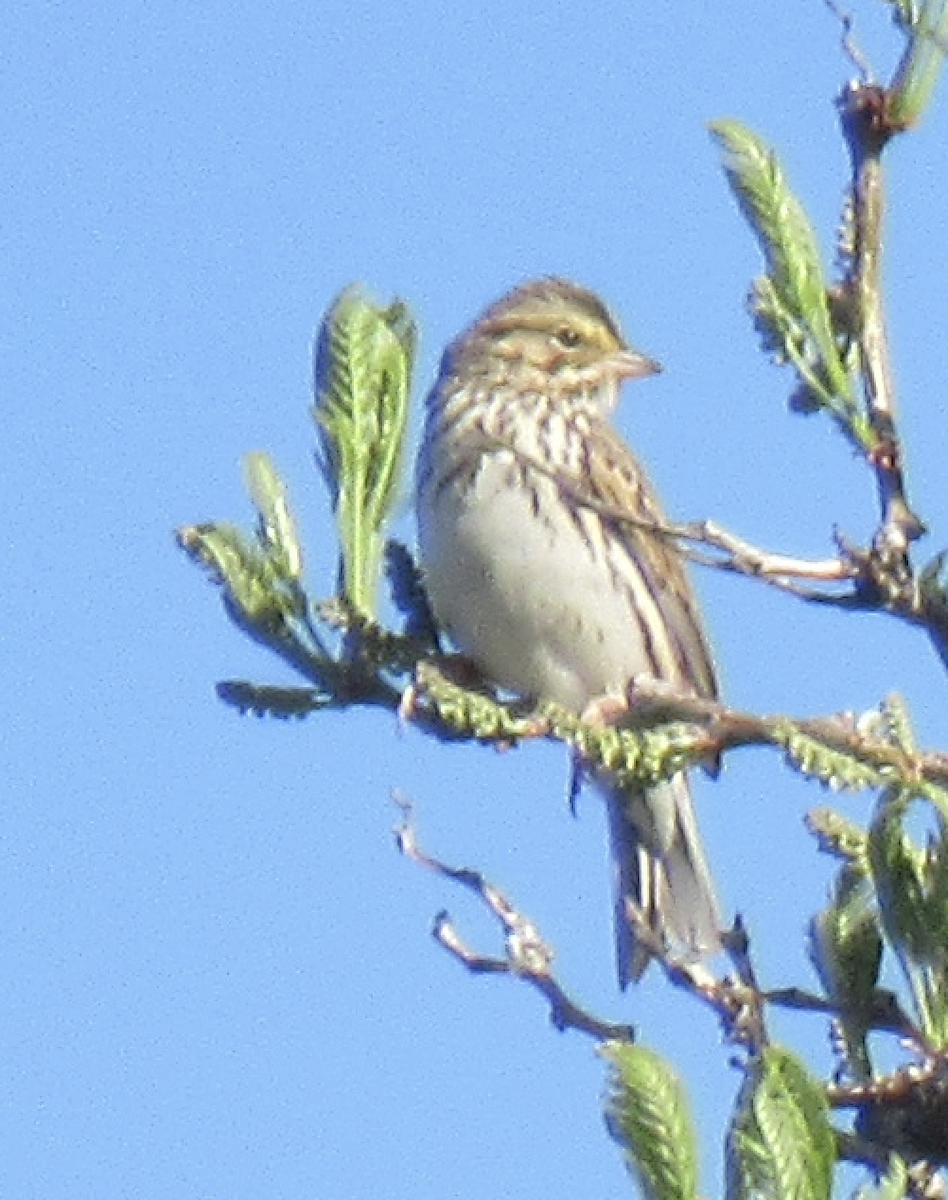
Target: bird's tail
{"type": "Point", "coordinates": [659, 865]}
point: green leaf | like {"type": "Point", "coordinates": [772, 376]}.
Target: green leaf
{"type": "Point", "coordinates": [837, 835]}
{"type": "Point", "coordinates": [790, 305]}
{"type": "Point", "coordinates": [780, 1143]}
{"type": "Point", "coordinates": [276, 528]}
{"type": "Point", "coordinates": [906, 13]}
{"type": "Point", "coordinates": [258, 595]}
{"type": "Point", "coordinates": [845, 947]}
{"type": "Point", "coordinates": [364, 359]}
{"type": "Point", "coordinates": [912, 889]}
{"type": "Point", "coordinates": [895, 720]}
{"type": "Point", "coordinates": [895, 1184]}
{"type": "Point", "coordinates": [471, 713]}
{"type": "Point", "coordinates": [847, 942]}
{"type": "Point", "coordinates": [833, 768]}
{"type": "Point", "coordinates": [263, 700]}
{"type": "Point", "coordinates": [898, 870]}
{"type": "Point", "coordinates": [647, 1113]}
{"type": "Point", "coordinates": [917, 74]}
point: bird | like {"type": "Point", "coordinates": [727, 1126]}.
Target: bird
{"type": "Point", "coordinates": [522, 483]}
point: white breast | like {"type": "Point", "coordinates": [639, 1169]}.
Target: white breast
{"type": "Point", "coordinates": [519, 588]}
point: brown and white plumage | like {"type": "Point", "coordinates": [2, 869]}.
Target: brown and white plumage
{"type": "Point", "coordinates": [519, 479]}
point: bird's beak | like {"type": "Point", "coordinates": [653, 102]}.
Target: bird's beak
{"type": "Point", "coordinates": [629, 364]}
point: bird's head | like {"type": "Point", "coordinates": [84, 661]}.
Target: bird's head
{"type": "Point", "coordinates": [561, 332]}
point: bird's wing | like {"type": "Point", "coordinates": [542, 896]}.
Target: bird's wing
{"type": "Point", "coordinates": [610, 481]}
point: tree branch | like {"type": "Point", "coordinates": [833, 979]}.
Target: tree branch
{"type": "Point", "coordinates": [866, 130]}
{"type": "Point", "coordinates": [528, 956]}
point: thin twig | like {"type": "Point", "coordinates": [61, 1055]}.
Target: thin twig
{"type": "Point", "coordinates": [734, 553]}
{"type": "Point", "coordinates": [528, 956]}
{"type": "Point", "coordinates": [737, 1002]}
{"type": "Point", "coordinates": [863, 107]}
{"type": "Point", "coordinates": [848, 42]}
{"type": "Point", "coordinates": [885, 1013]}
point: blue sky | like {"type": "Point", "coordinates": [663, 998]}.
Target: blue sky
{"type": "Point", "coordinates": [217, 978]}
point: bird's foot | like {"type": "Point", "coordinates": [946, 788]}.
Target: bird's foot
{"type": "Point", "coordinates": [605, 710]}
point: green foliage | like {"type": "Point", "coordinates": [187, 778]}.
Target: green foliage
{"type": "Point", "coordinates": [846, 950]}
{"type": "Point", "coordinates": [780, 1144]}
{"type": "Point", "coordinates": [926, 24]}
{"type": "Point", "coordinates": [472, 713]}
{"type": "Point", "coordinates": [634, 756]}
{"type": "Point", "coordinates": [260, 574]}
{"type": "Point", "coordinates": [842, 838]}
{"type": "Point", "coordinates": [932, 581]}
{"type": "Point", "coordinates": [364, 359]}
{"type": "Point", "coordinates": [905, 13]}
{"type": "Point", "coordinates": [911, 884]}
{"type": "Point", "coordinates": [892, 1185]}
{"type": "Point", "coordinates": [835, 769]}
{"type": "Point", "coordinates": [790, 303]}
{"type": "Point", "coordinates": [647, 1113]}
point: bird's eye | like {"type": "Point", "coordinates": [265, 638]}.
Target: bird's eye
{"type": "Point", "coordinates": [567, 336]}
